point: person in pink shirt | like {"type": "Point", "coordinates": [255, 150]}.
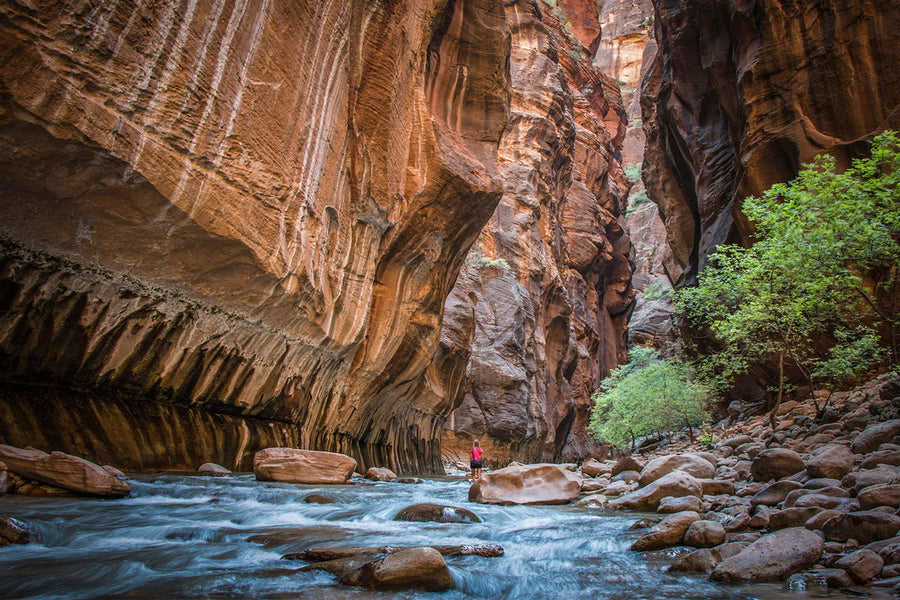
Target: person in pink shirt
{"type": "Point", "coordinates": [475, 462]}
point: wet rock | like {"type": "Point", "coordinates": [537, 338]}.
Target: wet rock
{"type": "Point", "coordinates": [380, 474]}
{"type": "Point", "coordinates": [676, 484]}
{"type": "Point", "coordinates": [13, 531]}
{"type": "Point", "coordinates": [592, 501]}
{"type": "Point", "coordinates": [862, 526]}
{"type": "Point", "coordinates": [669, 505]}
{"type": "Point", "coordinates": [340, 566]}
{"type": "Point", "coordinates": [414, 568]}
{"type": "Point", "coordinates": [885, 494]}
{"type": "Point", "coordinates": [437, 513]}
{"type": "Point", "coordinates": [693, 464]}
{"type": "Point", "coordinates": [832, 461]}
{"type": "Point", "coordinates": [115, 472]}
{"type": "Point", "coordinates": [775, 463]}
{"type": "Point", "coordinates": [818, 580]}
{"type": "Point", "coordinates": [319, 499]}
{"type": "Point", "coordinates": [666, 533]}
{"type": "Point", "coordinates": [643, 524]}
{"type": "Point", "coordinates": [627, 463]}
{"type": "Point", "coordinates": [706, 559]}
{"type": "Point", "coordinates": [213, 469]}
{"type": "Point", "coordinates": [326, 553]}
{"type": "Point", "coordinates": [704, 534]}
{"type": "Point", "coordinates": [528, 484]}
{"type": "Point", "coordinates": [772, 557]}
{"type": "Point", "coordinates": [409, 480]}
{"type": "Point", "coordinates": [63, 471]}
{"type": "Point", "coordinates": [302, 466]}
{"type": "Point", "coordinates": [775, 493]}
{"type": "Point", "coordinates": [862, 565]}
{"type": "Point", "coordinates": [875, 435]}
{"type": "Point", "coordinates": [617, 488]}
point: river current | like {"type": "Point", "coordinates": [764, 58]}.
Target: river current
{"type": "Point", "coordinates": [223, 537]}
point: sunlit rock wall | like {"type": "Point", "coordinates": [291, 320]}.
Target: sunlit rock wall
{"type": "Point", "coordinates": [242, 211]}
{"type": "Point", "coordinates": [742, 93]}
{"type": "Point", "coordinates": [541, 304]}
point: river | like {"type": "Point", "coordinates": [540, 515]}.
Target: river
{"type": "Point", "coordinates": [182, 536]}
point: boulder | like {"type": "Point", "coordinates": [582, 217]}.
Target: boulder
{"type": "Point", "coordinates": [413, 568]}
{"type": "Point", "coordinates": [706, 559]}
{"type": "Point", "coordinates": [437, 513]}
{"type": "Point", "coordinates": [831, 461]}
{"type": "Point", "coordinates": [627, 476]}
{"type": "Point", "coordinates": [409, 480]}
{"type": "Point", "coordinates": [714, 487]}
{"type": "Point", "coordinates": [875, 435]}
{"type": "Point", "coordinates": [775, 463]}
{"type": "Point", "coordinates": [772, 557]}
{"type": "Point", "coordinates": [791, 517]}
{"type": "Point", "coordinates": [775, 493]}
{"type": "Point", "coordinates": [862, 565]}
{"type": "Point", "coordinates": [319, 499]}
{"type": "Point", "coordinates": [213, 469]}
{"type": "Point", "coordinates": [302, 466]}
{"type": "Point", "coordinates": [885, 494]}
{"type": "Point", "coordinates": [704, 534]}
{"type": "Point", "coordinates": [112, 471]}
{"type": "Point", "coordinates": [881, 457]}
{"type": "Point", "coordinates": [64, 471]}
{"type": "Point", "coordinates": [592, 485]}
{"type": "Point", "coordinates": [820, 482]}
{"type": "Point", "coordinates": [13, 531]}
{"type": "Point", "coordinates": [593, 467]}
{"type": "Point", "coordinates": [818, 500]}
{"type": "Point", "coordinates": [794, 498]}
{"type": "Point", "coordinates": [676, 484]}
{"type": "Point", "coordinates": [380, 474]}
{"type": "Point", "coordinates": [528, 484]}
{"type": "Point", "coordinates": [818, 520]}
{"type": "Point", "coordinates": [864, 478]}
{"type": "Point", "coordinates": [326, 553]}
{"type": "Point", "coordinates": [735, 441]}
{"type": "Point", "coordinates": [863, 526]}
{"type": "Point", "coordinates": [693, 464]}
{"type": "Point", "coordinates": [627, 463]}
{"type": "Point", "coordinates": [669, 505]}
{"type": "Point", "coordinates": [890, 554]}
{"type": "Point", "coordinates": [668, 532]}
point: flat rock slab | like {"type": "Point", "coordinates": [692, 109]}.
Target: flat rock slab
{"type": "Point", "coordinates": [64, 471]}
{"type": "Point", "coordinates": [329, 554]}
{"type": "Point", "coordinates": [527, 484]}
{"type": "Point", "coordinates": [291, 465]}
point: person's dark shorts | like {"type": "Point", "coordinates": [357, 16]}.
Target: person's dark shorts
{"type": "Point", "coordinates": [475, 464]}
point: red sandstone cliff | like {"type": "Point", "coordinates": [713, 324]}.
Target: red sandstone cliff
{"type": "Point", "coordinates": [234, 224]}
{"type": "Point", "coordinates": [538, 314]}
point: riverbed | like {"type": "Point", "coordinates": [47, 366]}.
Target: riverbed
{"type": "Point", "coordinates": [182, 536]}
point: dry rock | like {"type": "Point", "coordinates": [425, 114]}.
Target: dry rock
{"type": "Point", "coordinates": [693, 464]}
{"type": "Point", "coordinates": [63, 471]}
{"type": "Point", "coordinates": [528, 484]}
{"type": "Point", "coordinates": [704, 534]}
{"type": "Point", "coordinates": [862, 526]}
{"type": "Point", "coordinates": [875, 435]}
{"type": "Point", "coordinates": [380, 474]}
{"type": "Point", "coordinates": [775, 463]}
{"type": "Point", "coordinates": [302, 466]}
{"type": "Point", "coordinates": [832, 461]}
{"type": "Point", "coordinates": [676, 484]}
{"type": "Point", "coordinates": [666, 533]}
{"type": "Point", "coordinates": [862, 565]}
{"type": "Point", "coordinates": [772, 557]}
{"type": "Point", "coordinates": [884, 494]}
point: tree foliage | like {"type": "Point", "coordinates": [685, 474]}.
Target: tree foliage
{"type": "Point", "coordinates": [647, 395]}
{"type": "Point", "coordinates": [820, 274]}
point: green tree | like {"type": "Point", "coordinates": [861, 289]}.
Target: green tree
{"type": "Point", "coordinates": [647, 395]}
{"type": "Point", "coordinates": [822, 270]}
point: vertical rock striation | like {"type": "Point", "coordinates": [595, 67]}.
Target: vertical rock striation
{"type": "Point", "coordinates": [537, 317]}
{"type": "Point", "coordinates": [243, 218]}
{"type": "Point", "coordinates": [742, 93]}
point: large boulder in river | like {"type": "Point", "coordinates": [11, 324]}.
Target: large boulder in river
{"type": "Point", "coordinates": [832, 461]}
{"type": "Point", "coordinates": [675, 484]}
{"type": "Point", "coordinates": [380, 474]}
{"type": "Point", "coordinates": [695, 465]}
{"type": "Point", "coordinates": [775, 463]}
{"type": "Point", "coordinates": [526, 484]}
{"type": "Point", "coordinates": [302, 466]}
{"type": "Point", "coordinates": [668, 532]}
{"type": "Point", "coordinates": [64, 471]}
{"type": "Point", "coordinates": [437, 513]}
{"type": "Point", "coordinates": [874, 436]}
{"type": "Point", "coordinates": [772, 557]}
{"type": "Point", "coordinates": [414, 568]}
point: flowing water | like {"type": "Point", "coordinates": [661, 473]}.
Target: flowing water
{"type": "Point", "coordinates": [204, 537]}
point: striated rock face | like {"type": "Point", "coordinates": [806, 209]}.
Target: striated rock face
{"type": "Point", "coordinates": [741, 93]}
{"type": "Point", "coordinates": [248, 212]}
{"type": "Point", "coordinates": [538, 314]}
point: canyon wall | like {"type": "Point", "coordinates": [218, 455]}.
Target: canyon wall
{"type": "Point", "coordinates": [229, 224]}
{"type": "Point", "coordinates": [741, 94]}
{"type": "Point", "coordinates": [538, 315]}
